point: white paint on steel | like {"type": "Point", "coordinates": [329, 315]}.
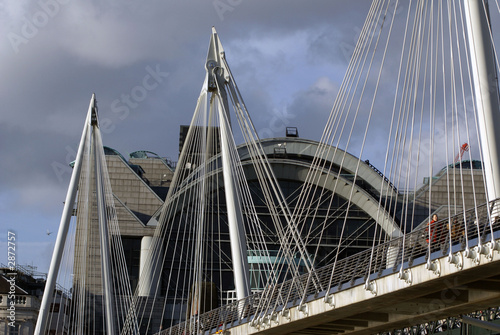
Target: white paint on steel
{"type": "Point", "coordinates": [485, 91]}
{"type": "Point", "coordinates": [63, 228]}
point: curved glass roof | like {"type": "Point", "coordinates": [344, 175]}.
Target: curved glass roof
{"type": "Point", "coordinates": [112, 152]}
{"type": "Point", "coordinates": [144, 154]}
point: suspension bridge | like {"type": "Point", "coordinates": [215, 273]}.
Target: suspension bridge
{"type": "Point", "coordinates": [249, 241]}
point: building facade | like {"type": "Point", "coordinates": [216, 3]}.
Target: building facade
{"type": "Point", "coordinates": [21, 291]}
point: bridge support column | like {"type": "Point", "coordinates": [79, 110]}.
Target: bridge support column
{"type": "Point", "coordinates": [149, 267]}
{"type": "Point", "coordinates": [217, 77]}
{"type": "Point", "coordinates": [485, 90]}
{"type": "Point", "coordinates": [64, 224]}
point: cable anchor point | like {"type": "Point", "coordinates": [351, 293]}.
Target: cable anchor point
{"type": "Point", "coordinates": [456, 259]}
{"type": "Point", "coordinates": [434, 266]}
{"type": "Point", "coordinates": [405, 275]}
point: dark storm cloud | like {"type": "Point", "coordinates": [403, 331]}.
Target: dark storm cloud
{"type": "Point", "coordinates": [145, 62]}
{"type": "Point", "coordinates": [56, 53]}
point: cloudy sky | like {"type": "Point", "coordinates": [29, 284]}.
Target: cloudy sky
{"type": "Point", "coordinates": [287, 56]}
{"type": "Point", "coordinates": [145, 61]}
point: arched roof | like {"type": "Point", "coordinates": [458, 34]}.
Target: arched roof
{"type": "Point", "coordinates": [294, 164]}
{"type": "Point", "coordinates": [297, 170]}
{"type": "Point", "coordinates": [302, 149]}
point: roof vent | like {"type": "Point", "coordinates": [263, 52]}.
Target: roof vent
{"type": "Point", "coordinates": [292, 132]}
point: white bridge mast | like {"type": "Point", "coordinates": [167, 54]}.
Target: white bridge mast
{"type": "Point", "coordinates": [91, 129]}
{"type": "Point", "coordinates": [218, 77]}
{"type": "Point", "coordinates": [486, 92]}
{"type": "Point", "coordinates": [62, 233]}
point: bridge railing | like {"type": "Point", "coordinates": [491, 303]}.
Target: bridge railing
{"type": "Point", "coordinates": [459, 232]}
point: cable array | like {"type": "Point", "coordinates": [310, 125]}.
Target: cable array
{"type": "Point", "coordinates": [84, 297]}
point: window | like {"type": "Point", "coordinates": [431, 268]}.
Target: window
{"type": "Point", "coordinates": [14, 330]}
{"type": "Point", "coordinates": [55, 308]}
{"type": "Point", "coordinates": [132, 252]}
